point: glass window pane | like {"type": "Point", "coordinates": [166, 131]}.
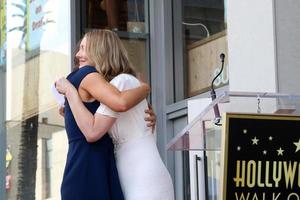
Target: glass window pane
{"type": "Point", "coordinates": [3, 33]}
{"type": "Point", "coordinates": [121, 15]}
{"type": "Point", "coordinates": [128, 18]}
{"type": "Point", "coordinates": [200, 28]}
{"type": "Point", "coordinates": [37, 52]}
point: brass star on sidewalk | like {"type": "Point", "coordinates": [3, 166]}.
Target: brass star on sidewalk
{"type": "Point", "coordinates": [265, 152]}
{"type": "Point", "coordinates": [255, 141]}
{"type": "Point", "coordinates": [280, 151]}
{"type": "Point", "coordinates": [270, 138]}
{"type": "Point", "coordinates": [297, 145]}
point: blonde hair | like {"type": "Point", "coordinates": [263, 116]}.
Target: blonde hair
{"type": "Point", "coordinates": [105, 49]}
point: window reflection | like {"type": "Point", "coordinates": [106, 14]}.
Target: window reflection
{"type": "Point", "coordinates": [37, 41]}
{"type": "Point", "coordinates": [118, 15]}
{"type": "Point", "coordinates": [128, 18]}
{"type": "Point", "coordinates": [202, 19]}
{"type": "Point", "coordinates": [201, 28]}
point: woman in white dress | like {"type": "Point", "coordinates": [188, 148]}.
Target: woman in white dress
{"type": "Point", "coordinates": [142, 174]}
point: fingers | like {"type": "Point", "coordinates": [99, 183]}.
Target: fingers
{"type": "Point", "coordinates": [149, 112]}
{"type": "Point", "coordinates": [151, 115]}
{"type": "Point", "coordinates": [150, 124]}
{"type": "Point", "coordinates": [151, 121]}
{"type": "Point", "coordinates": [150, 118]}
{"type": "Point", "coordinates": [61, 111]}
{"type": "Point", "coordinates": [61, 85]}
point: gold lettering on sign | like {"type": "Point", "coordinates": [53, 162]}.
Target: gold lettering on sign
{"type": "Point", "coordinates": [277, 173]}
{"type": "Point", "coordinates": [241, 197]}
{"type": "Point", "coordinates": [294, 195]}
{"type": "Point", "coordinates": [268, 184]}
{"type": "Point", "coordinates": [289, 173]}
{"type": "Point", "coordinates": [250, 174]}
{"type": "Point", "coordinates": [259, 183]}
{"type": "Point", "coordinates": [258, 196]}
{"type": "Point", "coordinates": [240, 176]}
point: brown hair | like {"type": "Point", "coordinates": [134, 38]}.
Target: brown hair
{"type": "Point", "coordinates": [105, 49]}
{"type": "Point", "coordinates": [75, 59]}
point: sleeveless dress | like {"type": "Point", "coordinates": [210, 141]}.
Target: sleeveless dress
{"type": "Point", "coordinates": [90, 171]}
{"type": "Point", "coordinates": [142, 173]}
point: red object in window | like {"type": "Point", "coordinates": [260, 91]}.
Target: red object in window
{"type": "Point", "coordinates": [8, 182]}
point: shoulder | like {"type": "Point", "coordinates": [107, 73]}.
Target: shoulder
{"type": "Point", "coordinates": [93, 79]}
{"type": "Point", "coordinates": [125, 81]}
{"type": "Point", "coordinates": [87, 71]}
{"type": "Point", "coordinates": [80, 75]}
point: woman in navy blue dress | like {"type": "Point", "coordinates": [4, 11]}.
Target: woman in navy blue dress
{"type": "Point", "coordinates": [90, 171]}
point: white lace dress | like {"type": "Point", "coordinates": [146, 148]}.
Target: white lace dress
{"type": "Point", "coordinates": [142, 173]}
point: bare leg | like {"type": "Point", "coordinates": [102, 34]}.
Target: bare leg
{"type": "Point", "coordinates": [112, 12]}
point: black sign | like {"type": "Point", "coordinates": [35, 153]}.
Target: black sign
{"type": "Point", "coordinates": [261, 157]}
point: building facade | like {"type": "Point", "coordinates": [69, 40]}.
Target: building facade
{"type": "Point", "coordinates": [174, 45]}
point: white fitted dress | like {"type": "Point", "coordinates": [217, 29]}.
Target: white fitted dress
{"type": "Point", "coordinates": [142, 173]}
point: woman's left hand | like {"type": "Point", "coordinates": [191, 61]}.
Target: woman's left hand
{"type": "Point", "coordinates": [63, 85]}
{"type": "Point", "coordinates": [151, 118]}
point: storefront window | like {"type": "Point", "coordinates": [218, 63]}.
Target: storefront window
{"type": "Point", "coordinates": [35, 49]}
{"type": "Point", "coordinates": [129, 19]}
{"type": "Point", "coordinates": [199, 39]}
{"type": "Point", "coordinates": [3, 33]}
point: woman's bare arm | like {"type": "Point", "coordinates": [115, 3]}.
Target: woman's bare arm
{"type": "Point", "coordinates": [92, 126]}
{"type": "Point", "coordinates": [106, 93]}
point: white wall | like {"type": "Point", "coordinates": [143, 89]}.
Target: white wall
{"type": "Point", "coordinates": [264, 45]}
{"type": "Point", "coordinates": [287, 23]}
{"type": "Point", "coordinates": [251, 46]}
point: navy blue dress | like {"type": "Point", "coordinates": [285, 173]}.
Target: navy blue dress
{"type": "Point", "coordinates": [90, 171]}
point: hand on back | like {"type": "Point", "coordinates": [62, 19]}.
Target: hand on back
{"type": "Point", "coordinates": [150, 118]}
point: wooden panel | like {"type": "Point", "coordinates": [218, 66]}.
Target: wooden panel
{"type": "Point", "coordinates": [203, 62]}
{"type": "Point", "coordinates": [137, 54]}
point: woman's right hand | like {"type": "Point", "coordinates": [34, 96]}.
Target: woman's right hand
{"type": "Point", "coordinates": [151, 118]}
